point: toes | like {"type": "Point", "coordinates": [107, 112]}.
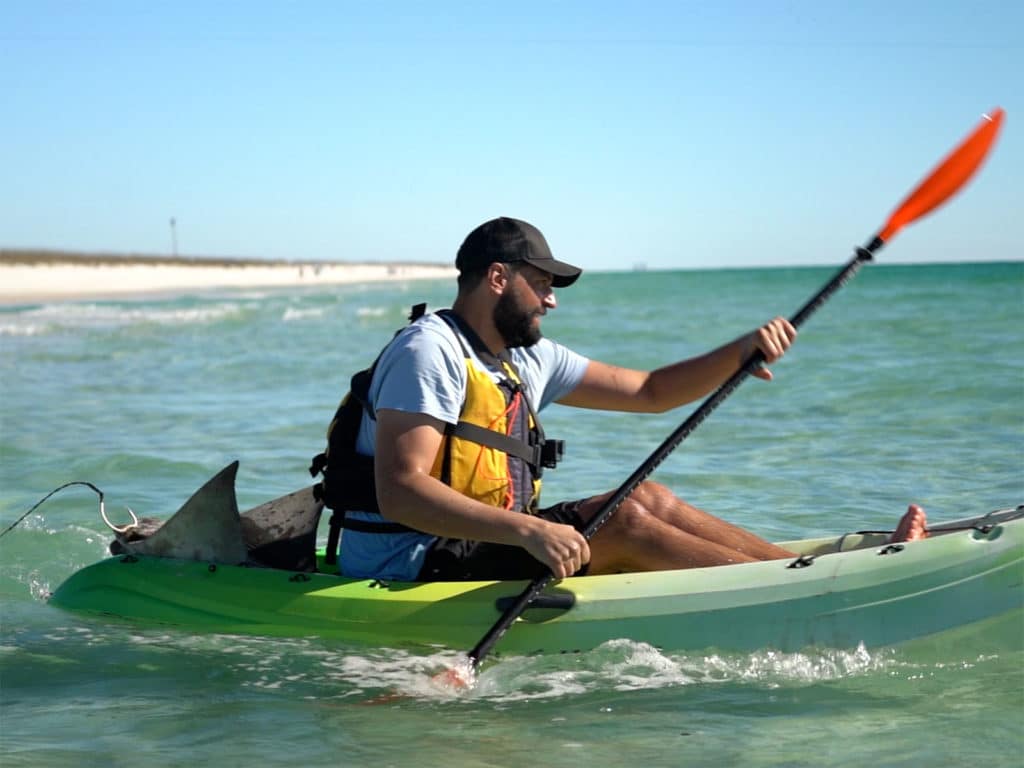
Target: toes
{"type": "Point", "coordinates": [912, 525]}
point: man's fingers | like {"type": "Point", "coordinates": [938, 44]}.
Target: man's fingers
{"type": "Point", "coordinates": [585, 553]}
{"type": "Point", "coordinates": [574, 556]}
{"type": "Point", "coordinates": [774, 338]}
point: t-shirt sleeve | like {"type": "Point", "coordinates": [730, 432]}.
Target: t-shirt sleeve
{"type": "Point", "coordinates": [553, 370]}
{"type": "Point", "coordinates": [422, 371]}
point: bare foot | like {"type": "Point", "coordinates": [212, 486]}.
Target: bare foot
{"type": "Point", "coordinates": [912, 525]}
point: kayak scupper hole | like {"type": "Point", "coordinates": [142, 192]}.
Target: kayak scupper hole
{"type": "Point", "coordinates": [987, 532]}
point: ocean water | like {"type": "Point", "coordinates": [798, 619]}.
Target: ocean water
{"type": "Point", "coordinates": [908, 385]}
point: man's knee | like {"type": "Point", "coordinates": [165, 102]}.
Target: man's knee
{"type": "Point", "coordinates": [637, 510]}
{"type": "Point", "coordinates": [633, 515]}
{"type": "Point", "coordinates": [652, 495]}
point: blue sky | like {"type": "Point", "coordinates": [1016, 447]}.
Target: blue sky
{"type": "Point", "coordinates": [675, 134]}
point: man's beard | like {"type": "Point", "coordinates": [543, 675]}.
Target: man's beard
{"type": "Point", "coordinates": [514, 323]}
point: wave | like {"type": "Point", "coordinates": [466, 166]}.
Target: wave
{"type": "Point", "coordinates": [373, 311]}
{"type": "Point", "coordinates": [292, 313]}
{"type": "Point", "coordinates": [52, 318]}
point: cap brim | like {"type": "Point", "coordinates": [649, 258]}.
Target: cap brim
{"type": "Point", "coordinates": [562, 275]}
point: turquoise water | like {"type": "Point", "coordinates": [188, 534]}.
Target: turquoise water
{"type": "Point", "coordinates": [908, 385]}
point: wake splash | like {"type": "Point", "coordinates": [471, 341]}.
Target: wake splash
{"type": "Point", "coordinates": [326, 673]}
{"type": "Point", "coordinates": [385, 675]}
{"type": "Point", "coordinates": [626, 665]}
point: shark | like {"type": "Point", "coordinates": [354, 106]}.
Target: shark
{"type": "Point", "coordinates": [280, 533]}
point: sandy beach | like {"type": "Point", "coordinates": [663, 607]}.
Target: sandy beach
{"type": "Point", "coordinates": [30, 277]}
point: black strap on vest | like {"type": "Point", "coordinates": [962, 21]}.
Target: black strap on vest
{"type": "Point", "coordinates": [491, 439]}
{"type": "Point", "coordinates": [533, 452]}
{"type": "Point", "coordinates": [540, 453]}
{"type": "Point", "coordinates": [371, 526]}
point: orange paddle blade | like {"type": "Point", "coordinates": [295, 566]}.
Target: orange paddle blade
{"type": "Point", "coordinates": [948, 177]}
{"type": "Point", "coordinates": [455, 679]}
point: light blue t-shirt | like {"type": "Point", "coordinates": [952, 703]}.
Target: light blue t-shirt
{"type": "Point", "coordinates": [423, 370]}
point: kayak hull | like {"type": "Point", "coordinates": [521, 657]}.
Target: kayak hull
{"type": "Point", "coordinates": [845, 592]}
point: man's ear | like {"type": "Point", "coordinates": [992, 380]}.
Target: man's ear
{"type": "Point", "coordinates": [498, 276]}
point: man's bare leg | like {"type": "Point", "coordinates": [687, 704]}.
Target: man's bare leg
{"type": "Point", "coordinates": [669, 508]}
{"type": "Point", "coordinates": [634, 540]}
{"type": "Point", "coordinates": [654, 530]}
{"type": "Point", "coordinates": [659, 502]}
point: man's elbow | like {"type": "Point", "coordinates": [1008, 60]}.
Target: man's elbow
{"type": "Point", "coordinates": [397, 498]}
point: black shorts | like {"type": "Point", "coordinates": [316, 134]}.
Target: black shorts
{"type": "Point", "coordinates": [462, 560]}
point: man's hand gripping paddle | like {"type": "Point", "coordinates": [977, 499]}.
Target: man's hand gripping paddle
{"type": "Point", "coordinates": [948, 178]}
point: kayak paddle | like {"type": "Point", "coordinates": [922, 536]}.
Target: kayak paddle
{"type": "Point", "coordinates": [942, 183]}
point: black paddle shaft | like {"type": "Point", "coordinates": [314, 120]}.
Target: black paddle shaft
{"type": "Point", "coordinates": [670, 443]}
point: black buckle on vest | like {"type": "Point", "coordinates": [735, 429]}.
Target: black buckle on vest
{"type": "Point", "coordinates": [551, 453]}
{"type": "Point", "coordinates": [319, 462]}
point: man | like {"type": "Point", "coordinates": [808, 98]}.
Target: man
{"type": "Point", "coordinates": [449, 498]}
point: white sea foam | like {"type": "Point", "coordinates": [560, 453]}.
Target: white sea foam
{"type": "Point", "coordinates": [293, 313]}
{"type": "Point", "coordinates": [626, 665]}
{"type": "Point", "coordinates": [623, 665]}
{"type": "Point", "coordinates": [53, 317]}
{"type": "Point", "coordinates": [23, 329]}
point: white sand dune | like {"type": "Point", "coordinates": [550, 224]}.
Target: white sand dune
{"type": "Point", "coordinates": [76, 279]}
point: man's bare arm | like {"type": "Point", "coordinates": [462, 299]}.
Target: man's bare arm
{"type": "Point", "coordinates": [407, 444]}
{"type": "Point", "coordinates": [612, 388]}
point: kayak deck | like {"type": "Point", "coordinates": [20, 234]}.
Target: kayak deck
{"type": "Point", "coordinates": [841, 592]}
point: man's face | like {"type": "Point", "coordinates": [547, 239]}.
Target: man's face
{"type": "Point", "coordinates": [527, 297]}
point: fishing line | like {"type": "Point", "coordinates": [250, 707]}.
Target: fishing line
{"type": "Point", "coordinates": [39, 503]}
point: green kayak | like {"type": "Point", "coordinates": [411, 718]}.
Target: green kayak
{"type": "Point", "coordinates": [841, 592]}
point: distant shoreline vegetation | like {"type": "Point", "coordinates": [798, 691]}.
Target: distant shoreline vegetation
{"type": "Point", "coordinates": [42, 257]}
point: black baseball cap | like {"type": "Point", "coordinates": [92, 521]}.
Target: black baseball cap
{"type": "Point", "coordinates": [509, 241]}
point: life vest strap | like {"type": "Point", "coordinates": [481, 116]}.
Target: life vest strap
{"type": "Point", "coordinates": [339, 520]}
{"type": "Point", "coordinates": [531, 454]}
{"type": "Point", "coordinates": [375, 526]}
